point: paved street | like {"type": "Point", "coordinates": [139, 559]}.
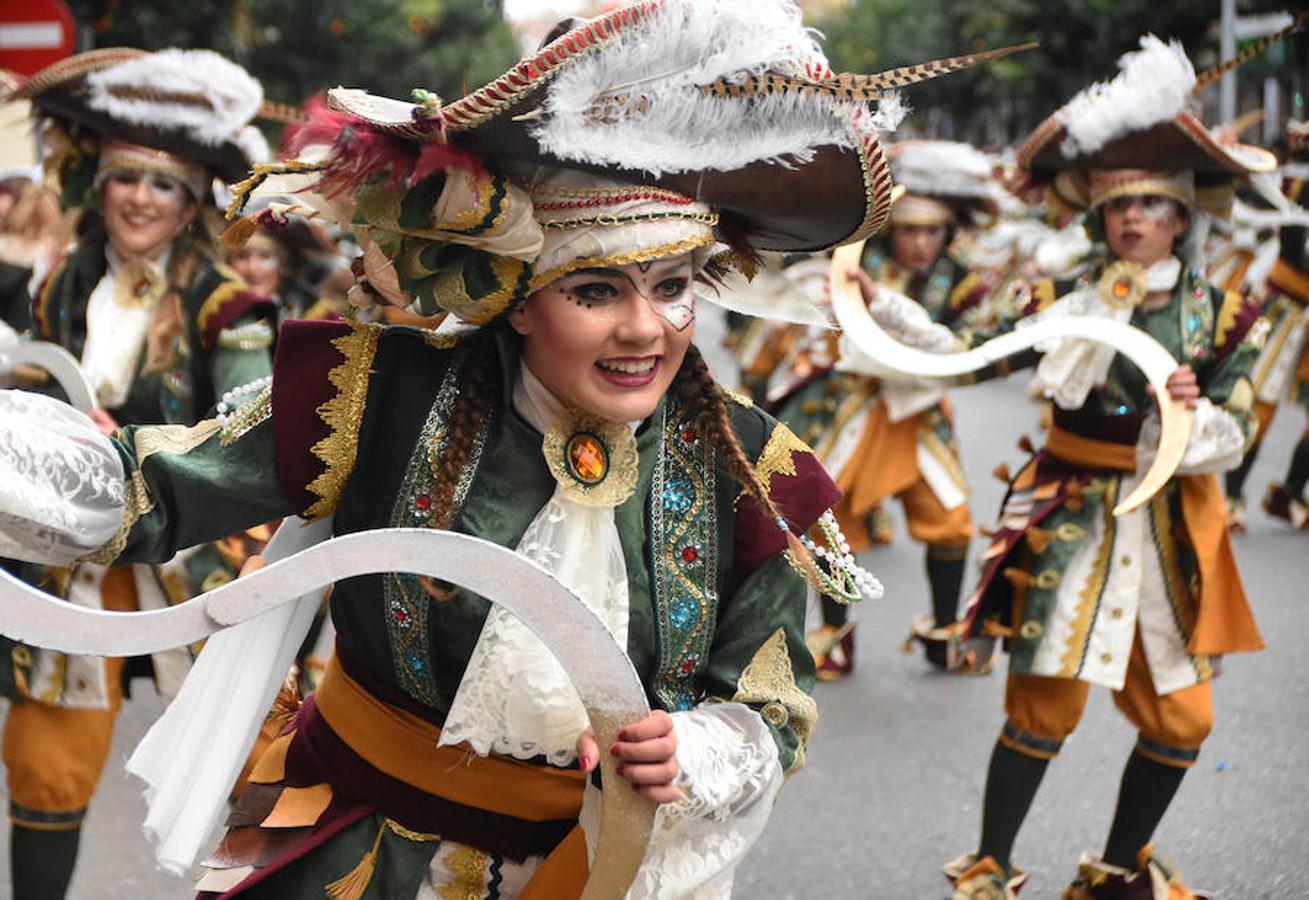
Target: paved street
{"type": "Point", "coordinates": [895, 774]}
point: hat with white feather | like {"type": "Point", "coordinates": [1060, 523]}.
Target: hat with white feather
{"type": "Point", "coordinates": [944, 181]}
{"type": "Point", "coordinates": [186, 112]}
{"type": "Point", "coordinates": [660, 128]}
{"type": "Point", "coordinates": [1135, 135]}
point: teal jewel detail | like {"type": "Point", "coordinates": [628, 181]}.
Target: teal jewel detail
{"type": "Point", "coordinates": [683, 519]}
{"type": "Point", "coordinates": [1121, 409]}
{"type": "Point", "coordinates": [407, 605]}
{"type": "Point", "coordinates": [1194, 321]}
{"type": "Point", "coordinates": [679, 496]}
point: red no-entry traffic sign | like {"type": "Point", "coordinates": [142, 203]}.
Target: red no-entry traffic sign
{"type": "Point", "coordinates": [34, 34]}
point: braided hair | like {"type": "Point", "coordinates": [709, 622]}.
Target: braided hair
{"type": "Point", "coordinates": [699, 394]}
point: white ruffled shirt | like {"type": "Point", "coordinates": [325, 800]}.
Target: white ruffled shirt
{"type": "Point", "coordinates": [513, 685]}
{"type": "Point", "coordinates": [115, 332]}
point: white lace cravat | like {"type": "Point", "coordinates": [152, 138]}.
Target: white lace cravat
{"type": "Point", "coordinates": [1071, 367]}
{"type": "Point", "coordinates": [116, 332]}
{"type": "Point", "coordinates": [515, 699]}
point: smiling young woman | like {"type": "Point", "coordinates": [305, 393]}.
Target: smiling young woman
{"type": "Point", "coordinates": [161, 332]}
{"type": "Point", "coordinates": [561, 411]}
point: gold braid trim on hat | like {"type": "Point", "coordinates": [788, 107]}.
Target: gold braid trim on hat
{"type": "Point", "coordinates": [1178, 186]}
{"type": "Point", "coordinates": [259, 173]}
{"type": "Point", "coordinates": [608, 220]}
{"type": "Point", "coordinates": [343, 415]}
{"type": "Point", "coordinates": [646, 254]}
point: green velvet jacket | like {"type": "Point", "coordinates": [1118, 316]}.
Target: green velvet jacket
{"type": "Point", "coordinates": [215, 353]}
{"type": "Point", "coordinates": [355, 425]}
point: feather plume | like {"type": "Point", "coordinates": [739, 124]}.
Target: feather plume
{"type": "Point", "coordinates": [198, 92]}
{"type": "Point", "coordinates": [667, 123]}
{"type": "Point", "coordinates": [861, 86]}
{"type": "Point", "coordinates": [361, 151]}
{"type": "Point", "coordinates": [943, 168]}
{"type": "Point", "coordinates": [1152, 87]}
{"type": "Point", "coordinates": [1204, 79]}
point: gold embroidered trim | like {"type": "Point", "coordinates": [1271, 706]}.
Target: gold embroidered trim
{"type": "Point", "coordinates": [136, 503]}
{"type": "Point", "coordinates": [769, 679]}
{"type": "Point", "coordinates": [963, 289]}
{"type": "Point", "coordinates": [214, 302]}
{"type": "Point", "coordinates": [1233, 303]}
{"type": "Point", "coordinates": [471, 218]}
{"type": "Point", "coordinates": [1091, 591]}
{"type": "Point", "coordinates": [467, 865]}
{"type": "Point", "coordinates": [677, 248]}
{"type": "Point", "coordinates": [740, 398]}
{"type": "Point", "coordinates": [943, 454]}
{"type": "Point", "coordinates": [136, 495]}
{"type": "Point", "coordinates": [418, 837]}
{"type": "Point", "coordinates": [343, 415]}
{"type": "Point", "coordinates": [242, 190]}
{"type": "Point", "coordinates": [175, 439]}
{"type": "Point", "coordinates": [778, 456]}
{"type": "Point", "coordinates": [441, 340]}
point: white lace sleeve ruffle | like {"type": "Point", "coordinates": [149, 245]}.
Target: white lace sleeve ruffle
{"type": "Point", "coordinates": [61, 481]}
{"type": "Point", "coordinates": [909, 323]}
{"type": "Point", "coordinates": [729, 775]}
{"type": "Point", "coordinates": [1071, 367]}
{"type": "Point", "coordinates": [1217, 443]}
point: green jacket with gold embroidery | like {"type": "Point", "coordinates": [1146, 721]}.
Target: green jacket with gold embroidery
{"type": "Point", "coordinates": [224, 344]}
{"type": "Point", "coordinates": [355, 424]}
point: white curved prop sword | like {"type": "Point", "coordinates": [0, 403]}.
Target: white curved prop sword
{"type": "Point", "coordinates": [1150, 356]}
{"type": "Point", "coordinates": [61, 365]}
{"type": "Point", "coordinates": [599, 669]}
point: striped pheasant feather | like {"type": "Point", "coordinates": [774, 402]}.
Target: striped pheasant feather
{"type": "Point", "coordinates": [610, 106]}
{"type": "Point", "coordinates": [871, 86]}
{"type": "Point", "coordinates": [283, 113]}
{"type": "Point", "coordinates": [1204, 79]}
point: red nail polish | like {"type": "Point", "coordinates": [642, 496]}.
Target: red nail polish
{"type": "Point", "coordinates": [614, 750]}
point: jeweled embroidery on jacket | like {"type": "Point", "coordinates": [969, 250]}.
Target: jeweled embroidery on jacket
{"type": "Point", "coordinates": [405, 600]}
{"type": "Point", "coordinates": [684, 542]}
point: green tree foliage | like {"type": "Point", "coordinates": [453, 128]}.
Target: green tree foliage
{"type": "Point", "coordinates": [299, 47]}
{"type": "Point", "coordinates": [1080, 41]}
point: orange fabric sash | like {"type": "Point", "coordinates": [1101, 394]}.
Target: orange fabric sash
{"type": "Point", "coordinates": [884, 463]}
{"type": "Point", "coordinates": [1224, 622]}
{"type": "Point", "coordinates": [405, 747]}
{"type": "Point", "coordinates": [1089, 452]}
{"type": "Point", "coordinates": [1290, 280]}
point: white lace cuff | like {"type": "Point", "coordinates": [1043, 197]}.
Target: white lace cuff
{"type": "Point", "coordinates": [729, 776]}
{"type": "Point", "coordinates": [61, 481]}
{"type": "Point", "coordinates": [1217, 443]}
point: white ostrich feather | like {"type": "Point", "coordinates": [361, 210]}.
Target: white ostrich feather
{"type": "Point", "coordinates": [231, 98]}
{"type": "Point", "coordinates": [1152, 87]}
{"type": "Point", "coordinates": [943, 168]}
{"type": "Point", "coordinates": [682, 45]}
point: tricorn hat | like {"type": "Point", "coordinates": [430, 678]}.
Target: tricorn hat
{"type": "Point", "coordinates": [194, 104]}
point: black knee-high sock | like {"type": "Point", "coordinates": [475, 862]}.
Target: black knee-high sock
{"type": "Point", "coordinates": [1011, 784]}
{"type": "Point", "coordinates": [945, 575]}
{"type": "Point", "coordinates": [834, 614]}
{"type": "Point", "coordinates": [1147, 789]}
{"type": "Point", "coordinates": [1236, 478]}
{"type": "Point", "coordinates": [1299, 471]}
{"type": "Point", "coordinates": [41, 862]}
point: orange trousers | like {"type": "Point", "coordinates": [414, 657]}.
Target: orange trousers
{"type": "Point", "coordinates": [54, 755]}
{"type": "Point", "coordinates": [1041, 712]}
